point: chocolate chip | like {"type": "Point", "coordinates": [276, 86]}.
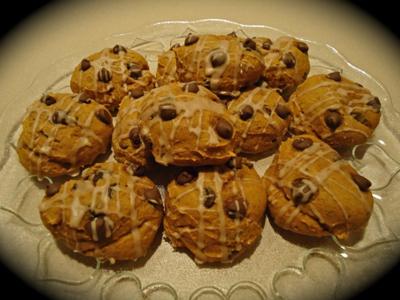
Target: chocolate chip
{"type": "Point", "coordinates": [104, 116]}
{"type": "Point", "coordinates": [360, 117]}
{"type": "Point", "coordinates": [191, 39]}
{"type": "Point", "coordinates": [167, 111]}
{"type": "Point", "coordinates": [334, 76]}
{"type": "Point", "coordinates": [97, 176]}
{"type": "Point", "coordinates": [137, 93]}
{"type": "Point", "coordinates": [59, 117]}
{"type": "Point", "coordinates": [104, 75]}
{"type": "Point", "coordinates": [303, 47]}
{"type": "Point", "coordinates": [110, 190]}
{"type": "Point", "coordinates": [117, 49]}
{"type": "Point", "coordinates": [123, 144]}
{"type": "Point", "coordinates": [333, 119]}
{"type": "Point", "coordinates": [232, 34]}
{"type": "Point", "coordinates": [249, 44]}
{"type": "Point", "coordinates": [134, 136]}
{"type": "Point", "coordinates": [138, 170]}
{"type": "Point", "coordinates": [286, 92]}
{"type": "Point", "coordinates": [135, 72]}
{"type": "Point", "coordinates": [246, 112]}
{"type": "Point", "coordinates": [153, 196]}
{"type": "Point", "coordinates": [100, 233]}
{"type": "Point", "coordinates": [224, 129]}
{"type": "Point", "coordinates": [267, 44]}
{"type": "Point", "coordinates": [302, 143]}
{"type": "Point", "coordinates": [85, 64]}
{"type": "Point", "coordinates": [289, 60]}
{"type": "Point", "coordinates": [52, 189]}
{"type": "Point", "coordinates": [375, 104]}
{"type": "Point", "coordinates": [303, 190]}
{"type": "Point", "coordinates": [84, 98]}
{"type": "Point", "coordinates": [191, 87]}
{"type": "Point", "coordinates": [48, 100]}
{"type": "Point", "coordinates": [235, 163]}
{"type": "Point", "coordinates": [362, 182]}
{"type": "Point", "coordinates": [267, 109]}
{"type": "Point", "coordinates": [209, 197]}
{"type": "Point", "coordinates": [282, 111]}
{"type": "Point", "coordinates": [185, 177]}
{"type": "Point", "coordinates": [235, 208]}
{"type": "Point", "coordinates": [218, 58]}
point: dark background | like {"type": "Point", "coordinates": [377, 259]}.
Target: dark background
{"type": "Point", "coordinates": [383, 11]}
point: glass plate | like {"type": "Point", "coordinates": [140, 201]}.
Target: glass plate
{"type": "Point", "coordinates": [282, 265]}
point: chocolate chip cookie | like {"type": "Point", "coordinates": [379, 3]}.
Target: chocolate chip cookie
{"type": "Point", "coordinates": [107, 214]}
{"type": "Point", "coordinates": [286, 62]}
{"type": "Point", "coordinates": [261, 118]}
{"type": "Point", "coordinates": [341, 112]}
{"type": "Point", "coordinates": [215, 213]}
{"type": "Point", "coordinates": [61, 133]}
{"type": "Point", "coordinates": [312, 191]}
{"type": "Point", "coordinates": [223, 63]}
{"type": "Point", "coordinates": [109, 75]}
{"type": "Point", "coordinates": [181, 127]}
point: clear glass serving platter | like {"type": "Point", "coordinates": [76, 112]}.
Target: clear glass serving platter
{"type": "Point", "coordinates": [281, 266]}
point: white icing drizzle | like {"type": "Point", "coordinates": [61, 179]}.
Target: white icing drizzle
{"type": "Point", "coordinates": [216, 72]}
{"type": "Point", "coordinates": [200, 208]}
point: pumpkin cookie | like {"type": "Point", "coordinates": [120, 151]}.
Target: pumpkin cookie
{"type": "Point", "coordinates": [338, 110]}
{"type": "Point", "coordinates": [108, 214]}
{"type": "Point", "coordinates": [111, 74]}
{"type": "Point", "coordinates": [312, 191]}
{"type": "Point", "coordinates": [216, 213]}
{"type": "Point", "coordinates": [261, 118]}
{"type": "Point", "coordinates": [223, 63]}
{"type": "Point", "coordinates": [62, 133]}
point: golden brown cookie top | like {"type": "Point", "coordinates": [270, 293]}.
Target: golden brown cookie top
{"type": "Point", "coordinates": [221, 62]}
{"type": "Point", "coordinates": [62, 133]}
{"type": "Point", "coordinates": [105, 207]}
{"type": "Point", "coordinates": [338, 110]}
{"type": "Point", "coordinates": [313, 192]}
{"type": "Point", "coordinates": [261, 118]}
{"type": "Point", "coordinates": [112, 73]}
{"type": "Point", "coordinates": [216, 213]}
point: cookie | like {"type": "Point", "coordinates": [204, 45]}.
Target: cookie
{"type": "Point", "coordinates": [61, 133]}
{"type": "Point", "coordinates": [185, 128]}
{"type": "Point", "coordinates": [261, 118]}
{"type": "Point", "coordinates": [107, 214]}
{"type": "Point", "coordinates": [340, 111]}
{"type": "Point", "coordinates": [127, 144]}
{"type": "Point", "coordinates": [286, 62]}
{"type": "Point", "coordinates": [223, 63]}
{"type": "Point", "coordinates": [109, 75]}
{"type": "Point", "coordinates": [216, 213]}
{"type": "Point", "coordinates": [311, 191]}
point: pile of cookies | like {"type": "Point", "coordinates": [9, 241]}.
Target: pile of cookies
{"type": "Point", "coordinates": [215, 103]}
